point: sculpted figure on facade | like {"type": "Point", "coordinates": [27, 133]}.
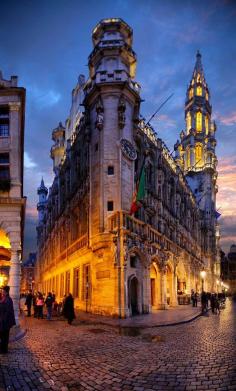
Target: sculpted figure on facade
{"type": "Point", "coordinates": [100, 114]}
{"type": "Point", "coordinates": [121, 112]}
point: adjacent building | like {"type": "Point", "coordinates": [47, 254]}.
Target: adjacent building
{"type": "Point", "coordinates": [89, 243]}
{"type": "Point", "coordinates": [12, 201]}
{"type": "Point", "coordinates": [228, 269]}
{"type": "Point", "coordinates": [27, 273]}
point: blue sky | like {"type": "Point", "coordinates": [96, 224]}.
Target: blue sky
{"type": "Point", "coordinates": [47, 43]}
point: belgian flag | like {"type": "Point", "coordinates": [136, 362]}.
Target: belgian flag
{"type": "Point", "coordinates": [139, 192]}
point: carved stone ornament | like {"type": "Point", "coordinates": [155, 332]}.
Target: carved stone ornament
{"type": "Point", "coordinates": [128, 149]}
{"type": "Point", "coordinates": [100, 115]}
{"type": "Point", "coordinates": [121, 112]}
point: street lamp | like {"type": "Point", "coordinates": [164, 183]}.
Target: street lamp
{"type": "Point", "coordinates": [203, 275]}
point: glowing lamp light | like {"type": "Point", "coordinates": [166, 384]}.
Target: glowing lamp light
{"type": "Point", "coordinates": [203, 274]}
{"type": "Point", "coordinates": [217, 282]}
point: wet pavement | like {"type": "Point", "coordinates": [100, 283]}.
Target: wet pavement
{"type": "Point", "coordinates": [172, 316]}
{"type": "Point", "coordinates": [194, 356]}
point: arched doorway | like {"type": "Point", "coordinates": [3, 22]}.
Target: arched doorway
{"type": "Point", "coordinates": [155, 286]}
{"type": "Point", "coordinates": [133, 296]}
{"type": "Point", "coordinates": [5, 257]}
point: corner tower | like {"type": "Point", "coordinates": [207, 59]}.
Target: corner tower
{"type": "Point", "coordinates": [112, 104]}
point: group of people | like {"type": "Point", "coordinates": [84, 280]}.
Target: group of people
{"type": "Point", "coordinates": [209, 300]}
{"type": "Point", "coordinates": [39, 300]}
{"type": "Point", "coordinates": [212, 300]}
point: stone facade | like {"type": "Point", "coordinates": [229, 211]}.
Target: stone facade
{"type": "Point", "coordinates": [27, 273]}
{"type": "Point", "coordinates": [88, 242]}
{"type": "Point", "coordinates": [12, 202]}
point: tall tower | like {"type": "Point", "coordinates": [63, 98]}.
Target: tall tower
{"type": "Point", "coordinates": [195, 152]}
{"type": "Point", "coordinates": [112, 103]}
{"type": "Point", "coordinates": [58, 149]}
{"type": "Point", "coordinates": [42, 193]}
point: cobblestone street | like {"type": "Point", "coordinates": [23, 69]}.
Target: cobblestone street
{"type": "Point", "coordinates": [196, 356]}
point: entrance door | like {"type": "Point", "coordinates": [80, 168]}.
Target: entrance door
{"type": "Point", "coordinates": [134, 296]}
{"type": "Point", "coordinates": [152, 291]}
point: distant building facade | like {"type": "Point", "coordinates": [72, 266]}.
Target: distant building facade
{"type": "Point", "coordinates": [228, 269]}
{"type": "Point", "coordinates": [12, 202]}
{"type": "Point", "coordinates": [27, 273]}
{"type": "Point", "coordinates": [88, 242]}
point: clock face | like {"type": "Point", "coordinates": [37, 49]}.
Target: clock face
{"type": "Point", "coordinates": [128, 149]}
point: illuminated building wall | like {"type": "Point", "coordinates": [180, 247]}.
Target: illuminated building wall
{"type": "Point", "coordinates": [12, 202]}
{"type": "Point", "coordinates": [88, 243]}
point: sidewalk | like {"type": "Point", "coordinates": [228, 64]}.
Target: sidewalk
{"type": "Point", "coordinates": [173, 316]}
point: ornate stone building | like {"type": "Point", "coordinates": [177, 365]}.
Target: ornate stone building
{"type": "Point", "coordinates": [88, 242]}
{"type": "Point", "coordinates": [12, 202]}
{"type": "Point", "coordinates": [27, 273]}
{"type": "Point", "coordinates": [228, 269]}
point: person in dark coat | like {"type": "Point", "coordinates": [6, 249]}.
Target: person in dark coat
{"type": "Point", "coordinates": [7, 319]}
{"type": "Point", "coordinates": [28, 302]}
{"type": "Point", "coordinates": [68, 308]}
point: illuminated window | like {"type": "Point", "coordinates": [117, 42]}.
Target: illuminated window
{"type": "Point", "coordinates": [207, 124]}
{"type": "Point", "coordinates": [199, 121]}
{"type": "Point", "coordinates": [188, 158]}
{"type": "Point", "coordinates": [76, 287]}
{"type": "Point", "coordinates": [198, 155]}
{"type": "Point", "coordinates": [199, 91]}
{"type": "Point", "coordinates": [67, 287]}
{"type": "Point", "coordinates": [190, 93]}
{"type": "Point", "coordinates": [198, 78]}
{"type": "Point", "coordinates": [188, 121]}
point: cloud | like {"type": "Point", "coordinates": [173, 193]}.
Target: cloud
{"type": "Point", "coordinates": [227, 120]}
{"type": "Point", "coordinates": [226, 198]}
{"type": "Point", "coordinates": [28, 161]}
{"type": "Point", "coordinates": [43, 98]}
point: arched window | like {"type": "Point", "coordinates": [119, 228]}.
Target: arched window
{"type": "Point", "coordinates": [188, 122]}
{"type": "Point", "coordinates": [188, 161]}
{"type": "Point", "coordinates": [190, 93]}
{"type": "Point", "coordinates": [206, 124]}
{"type": "Point", "coordinates": [199, 91]}
{"type": "Point", "coordinates": [199, 121]}
{"type": "Point", "coordinates": [198, 155]}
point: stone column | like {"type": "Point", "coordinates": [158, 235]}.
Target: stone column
{"type": "Point", "coordinates": [14, 282]}
{"type": "Point", "coordinates": [174, 296]}
{"type": "Point", "coordinates": [164, 305]}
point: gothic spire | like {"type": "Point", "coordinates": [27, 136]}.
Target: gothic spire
{"type": "Point", "coordinates": [198, 65]}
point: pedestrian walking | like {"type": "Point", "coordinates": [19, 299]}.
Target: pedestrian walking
{"type": "Point", "coordinates": [195, 299]}
{"type": "Point", "coordinates": [217, 305]}
{"type": "Point", "coordinates": [40, 304]}
{"type": "Point", "coordinates": [192, 297]}
{"type": "Point", "coordinates": [204, 302]}
{"type": "Point", "coordinates": [7, 319]}
{"type": "Point", "coordinates": [49, 304]}
{"type": "Point", "coordinates": [68, 308]}
{"type": "Point", "coordinates": [213, 303]}
{"type": "Point", "coordinates": [28, 302]}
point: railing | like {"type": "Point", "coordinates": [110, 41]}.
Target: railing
{"type": "Point", "coordinates": [122, 220]}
